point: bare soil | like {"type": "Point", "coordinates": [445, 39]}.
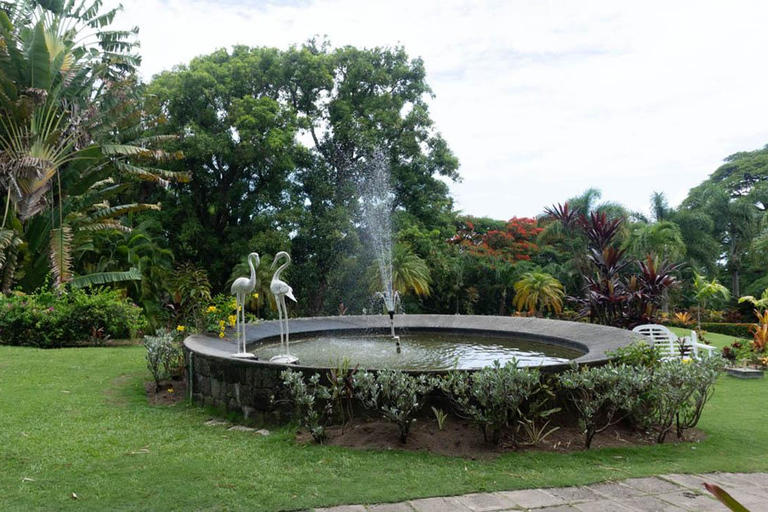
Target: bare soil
{"type": "Point", "coordinates": [170, 392]}
{"type": "Point", "coordinates": [461, 438]}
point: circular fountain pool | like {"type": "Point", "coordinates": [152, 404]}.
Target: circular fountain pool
{"type": "Point", "coordinates": [420, 350]}
{"type": "Point", "coordinates": [252, 386]}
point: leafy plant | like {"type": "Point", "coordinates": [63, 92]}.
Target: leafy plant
{"type": "Point", "coordinates": [165, 358]}
{"type": "Point", "coordinates": [396, 394]}
{"type": "Point", "coordinates": [311, 401]}
{"type": "Point", "coordinates": [48, 319]}
{"type": "Point", "coordinates": [536, 291]}
{"type": "Point", "coordinates": [342, 389]}
{"type": "Point", "coordinates": [639, 353]}
{"type": "Point", "coordinates": [759, 336]}
{"type": "Point", "coordinates": [191, 294]}
{"type": "Point", "coordinates": [603, 396]}
{"type": "Point", "coordinates": [492, 397]}
{"type": "Point", "coordinates": [536, 434]}
{"type": "Point", "coordinates": [684, 317]}
{"type": "Point", "coordinates": [440, 416]}
{"type": "Point", "coordinates": [705, 291]}
{"type": "Point", "coordinates": [725, 498]}
{"type": "Point", "coordinates": [679, 390]}
{"type": "Point", "coordinates": [701, 376]}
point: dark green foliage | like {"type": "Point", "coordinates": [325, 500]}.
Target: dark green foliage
{"type": "Point", "coordinates": [48, 319]}
{"type": "Point", "coordinates": [254, 183]}
{"type": "Point", "coordinates": [735, 330]}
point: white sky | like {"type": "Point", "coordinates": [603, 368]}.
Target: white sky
{"type": "Point", "coordinates": [539, 99]}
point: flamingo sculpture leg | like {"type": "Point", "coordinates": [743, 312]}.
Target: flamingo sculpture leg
{"type": "Point", "coordinates": [280, 290]}
{"type": "Point", "coordinates": [241, 287]}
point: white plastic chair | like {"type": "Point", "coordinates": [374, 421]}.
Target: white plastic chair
{"type": "Point", "coordinates": [669, 344]}
{"type": "Point", "coordinates": [693, 340]}
{"type": "Point", "coordinates": [660, 337]}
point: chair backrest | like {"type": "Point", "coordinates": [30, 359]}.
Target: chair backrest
{"type": "Point", "coordinates": [660, 337]}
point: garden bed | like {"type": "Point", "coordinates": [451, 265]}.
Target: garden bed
{"type": "Point", "coordinates": [461, 438]}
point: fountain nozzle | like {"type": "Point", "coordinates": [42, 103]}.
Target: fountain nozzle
{"type": "Point", "coordinates": [391, 315]}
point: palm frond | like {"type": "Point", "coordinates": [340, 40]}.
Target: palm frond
{"type": "Point", "coordinates": [102, 278]}
{"type": "Point", "coordinates": [61, 257]}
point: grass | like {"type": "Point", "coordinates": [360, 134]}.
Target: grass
{"type": "Point", "coordinates": [76, 421]}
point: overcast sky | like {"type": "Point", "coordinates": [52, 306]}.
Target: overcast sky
{"type": "Point", "coordinates": [539, 99]}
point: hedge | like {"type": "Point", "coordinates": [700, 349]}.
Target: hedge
{"type": "Point", "coordinates": [729, 329]}
{"type": "Point", "coordinates": [48, 319]}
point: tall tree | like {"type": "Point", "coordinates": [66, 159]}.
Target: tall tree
{"type": "Point", "coordinates": [277, 142]}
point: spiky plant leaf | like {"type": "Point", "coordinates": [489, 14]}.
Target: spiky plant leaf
{"type": "Point", "coordinates": [61, 257]}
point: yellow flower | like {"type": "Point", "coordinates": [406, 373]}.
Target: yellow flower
{"type": "Point", "coordinates": [170, 390]}
{"type": "Point", "coordinates": [181, 328]}
{"type": "Point", "coordinates": [212, 309]}
{"type": "Point", "coordinates": [687, 360]}
{"type": "Point", "coordinates": [222, 323]}
{"type": "Point", "coordinates": [221, 334]}
{"type": "Point", "coordinates": [232, 320]}
{"type": "Point", "coordinates": [256, 295]}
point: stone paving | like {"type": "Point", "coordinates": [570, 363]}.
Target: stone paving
{"type": "Point", "coordinates": [664, 493]}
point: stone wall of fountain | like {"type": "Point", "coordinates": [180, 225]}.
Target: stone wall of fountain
{"type": "Point", "coordinates": [254, 388]}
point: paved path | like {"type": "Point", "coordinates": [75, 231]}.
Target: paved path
{"type": "Point", "coordinates": [664, 493]}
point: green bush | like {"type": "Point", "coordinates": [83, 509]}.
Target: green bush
{"type": "Point", "coordinates": [735, 330]}
{"type": "Point", "coordinates": [312, 402]}
{"type": "Point", "coordinates": [603, 396]}
{"type": "Point", "coordinates": [397, 395]}
{"type": "Point", "coordinates": [639, 353]}
{"type": "Point", "coordinates": [165, 357]}
{"type": "Point", "coordinates": [492, 397]}
{"type": "Point", "coordinates": [47, 319]}
{"type": "Point", "coordinates": [679, 390]}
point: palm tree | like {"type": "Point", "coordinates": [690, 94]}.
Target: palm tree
{"type": "Point", "coordinates": [661, 239]}
{"type": "Point", "coordinates": [538, 290]}
{"type": "Point", "coordinates": [410, 273]}
{"type": "Point", "coordinates": [707, 290]}
{"type": "Point", "coordinates": [69, 132]}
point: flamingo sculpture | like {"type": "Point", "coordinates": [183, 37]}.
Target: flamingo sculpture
{"type": "Point", "coordinates": [281, 290]}
{"type": "Point", "coordinates": [240, 289]}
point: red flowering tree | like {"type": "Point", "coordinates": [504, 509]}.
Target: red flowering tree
{"type": "Point", "coordinates": [513, 241]}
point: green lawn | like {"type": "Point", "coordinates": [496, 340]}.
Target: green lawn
{"type": "Point", "coordinates": [76, 421]}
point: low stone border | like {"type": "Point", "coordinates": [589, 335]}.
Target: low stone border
{"type": "Point", "coordinates": [250, 386]}
{"type": "Point", "coordinates": [674, 492]}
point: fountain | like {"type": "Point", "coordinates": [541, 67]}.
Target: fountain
{"type": "Point", "coordinates": [435, 343]}
{"type": "Point", "coordinates": [377, 198]}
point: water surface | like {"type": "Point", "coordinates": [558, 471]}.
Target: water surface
{"type": "Point", "coordinates": [419, 351]}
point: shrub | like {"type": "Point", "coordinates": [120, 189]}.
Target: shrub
{"type": "Point", "coordinates": [47, 319]}
{"type": "Point", "coordinates": [679, 391]}
{"type": "Point", "coordinates": [312, 402]}
{"type": "Point", "coordinates": [397, 395]}
{"type": "Point", "coordinates": [735, 330]}
{"type": "Point", "coordinates": [639, 353]}
{"type": "Point", "coordinates": [603, 396]}
{"type": "Point", "coordinates": [492, 397]}
{"type": "Point", "coordinates": [165, 357]}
